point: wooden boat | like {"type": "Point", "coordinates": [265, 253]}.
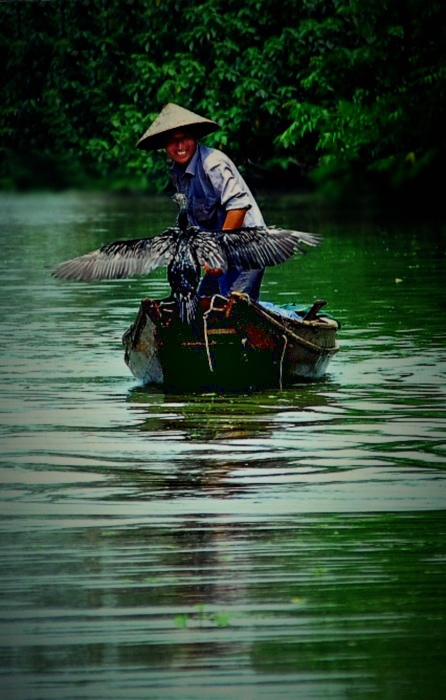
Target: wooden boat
{"type": "Point", "coordinates": [233, 344]}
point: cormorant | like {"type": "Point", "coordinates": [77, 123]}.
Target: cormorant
{"type": "Point", "coordinates": [185, 250]}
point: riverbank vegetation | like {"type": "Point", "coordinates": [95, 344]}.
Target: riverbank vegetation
{"type": "Point", "coordinates": [334, 94]}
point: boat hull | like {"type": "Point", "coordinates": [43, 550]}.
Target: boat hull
{"type": "Point", "coordinates": [234, 344]}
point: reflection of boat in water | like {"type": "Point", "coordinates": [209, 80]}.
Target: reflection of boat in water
{"type": "Point", "coordinates": [216, 417]}
{"type": "Point", "coordinates": [233, 344]}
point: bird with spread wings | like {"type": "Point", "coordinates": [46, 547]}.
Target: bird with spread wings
{"type": "Point", "coordinates": [185, 250]}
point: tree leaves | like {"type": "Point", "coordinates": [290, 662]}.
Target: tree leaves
{"type": "Point", "coordinates": [357, 81]}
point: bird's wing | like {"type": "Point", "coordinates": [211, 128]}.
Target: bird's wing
{"type": "Point", "coordinates": [257, 247]}
{"type": "Point", "coordinates": [209, 250]}
{"type": "Point", "coordinates": [120, 259]}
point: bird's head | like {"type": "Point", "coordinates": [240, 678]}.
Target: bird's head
{"type": "Point", "coordinates": [181, 202]}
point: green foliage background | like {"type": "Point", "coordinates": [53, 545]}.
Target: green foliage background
{"type": "Point", "coordinates": [344, 90]}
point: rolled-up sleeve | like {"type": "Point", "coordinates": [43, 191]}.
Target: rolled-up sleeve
{"type": "Point", "coordinates": [228, 184]}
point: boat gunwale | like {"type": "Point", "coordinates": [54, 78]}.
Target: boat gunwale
{"type": "Point", "coordinates": [237, 302]}
{"type": "Point", "coordinates": [283, 324]}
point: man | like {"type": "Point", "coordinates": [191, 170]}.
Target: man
{"type": "Point", "coordinates": [218, 197]}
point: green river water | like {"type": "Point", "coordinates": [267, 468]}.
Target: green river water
{"type": "Point", "coordinates": [276, 545]}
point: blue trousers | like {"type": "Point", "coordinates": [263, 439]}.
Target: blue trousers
{"type": "Point", "coordinates": [247, 281]}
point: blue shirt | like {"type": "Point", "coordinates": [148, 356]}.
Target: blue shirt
{"type": "Point", "coordinates": [214, 186]}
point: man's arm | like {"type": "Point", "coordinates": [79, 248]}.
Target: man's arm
{"type": "Point", "coordinates": [234, 219]}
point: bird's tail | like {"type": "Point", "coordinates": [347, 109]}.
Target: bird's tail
{"type": "Point", "coordinates": [187, 308]}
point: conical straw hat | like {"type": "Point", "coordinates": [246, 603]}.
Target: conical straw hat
{"type": "Point", "coordinates": [174, 118]}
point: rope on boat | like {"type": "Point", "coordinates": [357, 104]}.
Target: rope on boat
{"type": "Point", "coordinates": [206, 342]}
{"type": "Point", "coordinates": [306, 344]}
{"type": "Point", "coordinates": [205, 327]}
{"type": "Point", "coordinates": [282, 357]}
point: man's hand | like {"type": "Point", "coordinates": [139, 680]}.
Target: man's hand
{"type": "Point", "coordinates": [217, 271]}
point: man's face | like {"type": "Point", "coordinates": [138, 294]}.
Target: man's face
{"type": "Point", "coordinates": [181, 147]}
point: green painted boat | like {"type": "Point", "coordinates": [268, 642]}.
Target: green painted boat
{"type": "Point", "coordinates": [234, 344]}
